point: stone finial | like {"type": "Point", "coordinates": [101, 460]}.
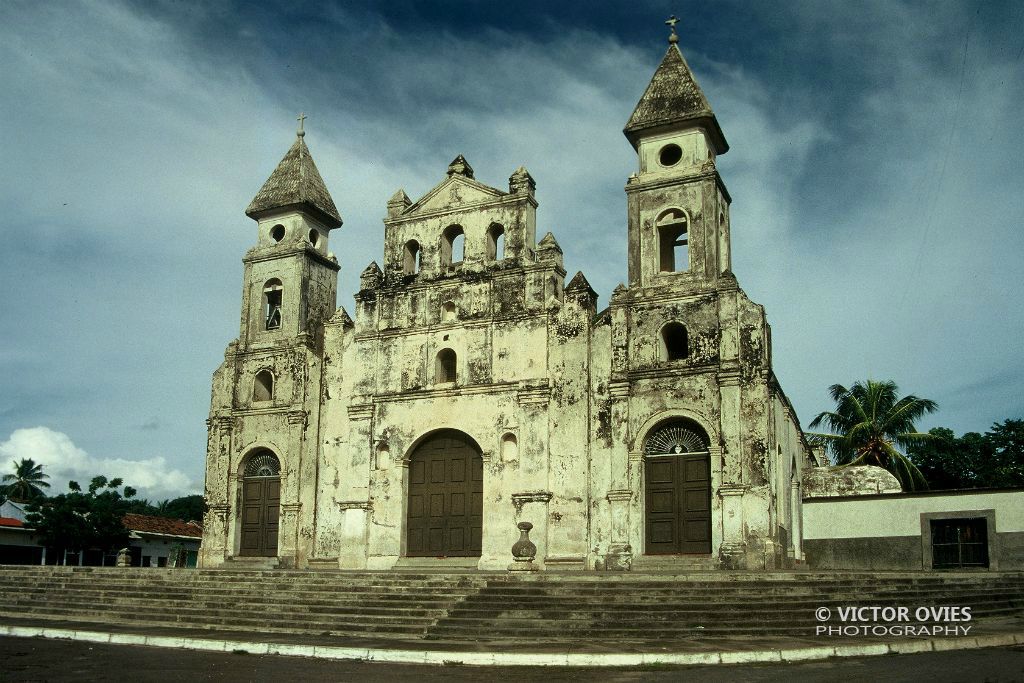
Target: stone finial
{"type": "Point", "coordinates": [548, 243]}
{"type": "Point", "coordinates": [371, 277]}
{"type": "Point", "coordinates": [460, 166]}
{"type": "Point", "coordinates": [619, 290]}
{"type": "Point", "coordinates": [398, 203]}
{"type": "Point", "coordinates": [300, 132]}
{"type": "Point", "coordinates": [521, 182]}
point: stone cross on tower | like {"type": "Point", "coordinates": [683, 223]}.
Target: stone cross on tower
{"type": "Point", "coordinates": [672, 21]}
{"type": "Point", "coordinates": [301, 120]}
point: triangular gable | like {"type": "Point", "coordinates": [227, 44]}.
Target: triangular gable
{"type": "Point", "coordinates": [453, 192]}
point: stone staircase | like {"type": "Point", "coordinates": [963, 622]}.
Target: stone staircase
{"type": "Point", "coordinates": [363, 605]}
{"type": "Point", "coordinates": [641, 608]}
{"type": "Point", "coordinates": [485, 607]}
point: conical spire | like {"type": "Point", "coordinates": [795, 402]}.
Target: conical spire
{"type": "Point", "coordinates": [296, 183]}
{"type": "Point", "coordinates": [673, 98]}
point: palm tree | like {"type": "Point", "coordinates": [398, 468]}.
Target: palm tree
{"type": "Point", "coordinates": [26, 484]}
{"type": "Point", "coordinates": [868, 420]}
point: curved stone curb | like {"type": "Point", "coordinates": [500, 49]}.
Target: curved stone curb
{"type": "Point", "coordinates": [576, 659]}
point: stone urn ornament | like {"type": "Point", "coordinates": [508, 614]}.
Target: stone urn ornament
{"type": "Point", "coordinates": [523, 550]}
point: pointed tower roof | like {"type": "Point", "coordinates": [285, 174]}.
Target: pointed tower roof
{"type": "Point", "coordinates": [296, 183]}
{"type": "Point", "coordinates": [672, 99]}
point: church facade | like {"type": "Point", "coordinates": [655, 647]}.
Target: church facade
{"type": "Point", "coordinates": [474, 389]}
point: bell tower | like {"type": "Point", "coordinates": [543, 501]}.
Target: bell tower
{"type": "Point", "coordinates": [290, 277]}
{"type": "Point", "coordinates": [678, 206]}
{"type": "Point", "coordinates": [264, 412]}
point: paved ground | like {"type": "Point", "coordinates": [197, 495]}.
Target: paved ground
{"type": "Point", "coordinates": [38, 659]}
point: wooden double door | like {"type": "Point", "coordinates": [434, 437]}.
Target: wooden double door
{"type": "Point", "coordinates": [678, 504]}
{"type": "Point", "coordinates": [446, 485]}
{"type": "Point", "coordinates": [261, 505]}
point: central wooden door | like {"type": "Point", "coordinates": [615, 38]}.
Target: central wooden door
{"type": "Point", "coordinates": [678, 504]}
{"type": "Point", "coordinates": [446, 485]}
{"type": "Point", "coordinates": [261, 502]}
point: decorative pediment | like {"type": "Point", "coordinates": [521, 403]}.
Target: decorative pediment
{"type": "Point", "coordinates": [454, 192]}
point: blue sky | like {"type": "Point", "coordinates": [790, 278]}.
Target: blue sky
{"type": "Point", "coordinates": [874, 167]}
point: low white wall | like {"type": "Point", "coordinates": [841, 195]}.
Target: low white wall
{"type": "Point", "coordinates": [900, 514]}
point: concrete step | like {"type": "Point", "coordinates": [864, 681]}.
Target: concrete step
{"type": "Point", "coordinates": [397, 612]}
{"type": "Point", "coordinates": [338, 628]}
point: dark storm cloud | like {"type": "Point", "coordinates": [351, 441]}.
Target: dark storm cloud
{"type": "Point", "coordinates": [874, 166]}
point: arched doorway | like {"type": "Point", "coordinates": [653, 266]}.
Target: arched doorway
{"type": "Point", "coordinates": [677, 483]}
{"type": "Point", "coordinates": [446, 485]}
{"type": "Point", "coordinates": [261, 505]}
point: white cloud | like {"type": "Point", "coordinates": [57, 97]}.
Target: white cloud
{"type": "Point", "coordinates": [63, 461]}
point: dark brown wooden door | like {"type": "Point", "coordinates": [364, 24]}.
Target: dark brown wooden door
{"type": "Point", "coordinates": [678, 504]}
{"type": "Point", "coordinates": [261, 504]}
{"type": "Point", "coordinates": [446, 492]}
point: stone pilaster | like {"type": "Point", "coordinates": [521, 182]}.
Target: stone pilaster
{"type": "Point", "coordinates": [288, 529]}
{"type": "Point", "coordinates": [620, 550]}
{"type": "Point", "coordinates": [733, 551]}
{"type": "Point", "coordinates": [216, 544]}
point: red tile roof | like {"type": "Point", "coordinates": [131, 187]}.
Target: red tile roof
{"type": "Point", "coordinates": [11, 521]}
{"type": "Point", "coordinates": [162, 525]}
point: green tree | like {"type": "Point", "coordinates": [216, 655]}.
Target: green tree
{"type": "Point", "coordinates": [993, 459]}
{"type": "Point", "coordinates": [77, 520]}
{"type": "Point", "coordinates": [869, 421]}
{"type": "Point", "coordinates": [187, 508]}
{"type": "Point", "coordinates": [948, 462]}
{"type": "Point", "coordinates": [27, 482]}
{"type": "Point", "coordinates": [1007, 444]}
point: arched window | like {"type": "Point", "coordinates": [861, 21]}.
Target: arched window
{"type": "Point", "coordinates": [453, 243]}
{"type": "Point", "coordinates": [272, 297]}
{"type": "Point", "coordinates": [495, 242]}
{"type": "Point", "coordinates": [674, 343]}
{"type": "Point", "coordinates": [447, 311]}
{"type": "Point", "coordinates": [444, 370]}
{"type": "Point", "coordinates": [263, 386]}
{"type": "Point", "coordinates": [411, 258]}
{"type": "Point", "coordinates": [673, 241]}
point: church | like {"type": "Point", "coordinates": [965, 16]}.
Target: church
{"type": "Point", "coordinates": [476, 387]}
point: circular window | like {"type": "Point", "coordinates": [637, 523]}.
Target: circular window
{"type": "Point", "coordinates": [314, 237]}
{"type": "Point", "coordinates": [277, 233]}
{"type": "Point", "coordinates": [670, 155]}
